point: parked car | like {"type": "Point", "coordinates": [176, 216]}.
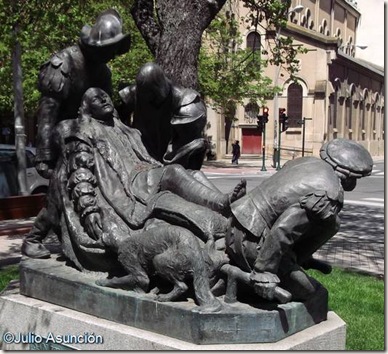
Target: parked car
{"type": "Point", "coordinates": [8, 172]}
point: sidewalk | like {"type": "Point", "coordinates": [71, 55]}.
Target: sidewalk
{"type": "Point", "coordinates": [246, 165]}
{"type": "Point", "coordinates": [248, 162]}
{"type": "Point", "coordinates": [10, 244]}
{"type": "Point", "coordinates": [243, 161]}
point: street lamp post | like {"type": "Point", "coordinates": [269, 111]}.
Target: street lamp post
{"type": "Point", "coordinates": [263, 168]}
{"type": "Point", "coordinates": [262, 121]}
{"type": "Point", "coordinates": [277, 127]}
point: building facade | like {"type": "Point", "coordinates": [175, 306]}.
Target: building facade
{"type": "Point", "coordinates": [335, 96]}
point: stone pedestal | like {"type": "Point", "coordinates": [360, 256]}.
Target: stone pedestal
{"type": "Point", "coordinates": [57, 327]}
{"type": "Point", "coordinates": [54, 282]}
{"type": "Point", "coordinates": [58, 307]}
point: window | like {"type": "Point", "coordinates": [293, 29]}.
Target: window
{"type": "Point", "coordinates": [293, 17]}
{"type": "Point", "coordinates": [374, 117]}
{"type": "Point", "coordinates": [8, 173]}
{"type": "Point", "coordinates": [350, 47]}
{"type": "Point", "coordinates": [333, 102]}
{"type": "Point", "coordinates": [294, 104]}
{"type": "Point", "coordinates": [336, 98]}
{"type": "Point", "coordinates": [30, 159]}
{"type": "Point", "coordinates": [338, 32]}
{"type": "Point", "coordinates": [306, 20]}
{"type": "Point", "coordinates": [253, 41]}
{"type": "Point", "coordinates": [349, 116]}
{"type": "Point", "coordinates": [323, 28]}
{"type": "Point", "coordinates": [250, 111]}
{"type": "Point", "coordinates": [374, 110]}
{"type": "Point", "coordinates": [331, 110]}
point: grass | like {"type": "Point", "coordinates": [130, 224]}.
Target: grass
{"type": "Point", "coordinates": [357, 299]}
{"type": "Point", "coordinates": [7, 274]}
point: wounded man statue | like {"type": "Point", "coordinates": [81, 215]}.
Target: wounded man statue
{"type": "Point", "coordinates": [167, 230]}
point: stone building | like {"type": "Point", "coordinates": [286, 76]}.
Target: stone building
{"type": "Point", "coordinates": [336, 95]}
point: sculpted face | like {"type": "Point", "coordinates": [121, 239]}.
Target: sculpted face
{"type": "Point", "coordinates": [105, 54]}
{"type": "Point", "coordinates": [152, 84]}
{"type": "Point", "coordinates": [348, 183]}
{"type": "Point", "coordinates": [100, 105]}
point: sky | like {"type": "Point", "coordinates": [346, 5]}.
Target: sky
{"type": "Point", "coordinates": [371, 30]}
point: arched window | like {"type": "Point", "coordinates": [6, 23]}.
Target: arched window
{"type": "Point", "coordinates": [337, 117]}
{"type": "Point", "coordinates": [294, 104]}
{"type": "Point", "coordinates": [324, 28]}
{"type": "Point", "coordinates": [350, 48]}
{"type": "Point", "coordinates": [349, 116]}
{"type": "Point", "coordinates": [254, 41]}
{"type": "Point", "coordinates": [306, 20]}
{"type": "Point", "coordinates": [250, 111]}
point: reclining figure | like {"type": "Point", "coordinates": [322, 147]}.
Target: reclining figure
{"type": "Point", "coordinates": [110, 193]}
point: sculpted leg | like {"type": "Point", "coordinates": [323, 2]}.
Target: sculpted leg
{"type": "Point", "coordinates": [177, 180]}
{"type": "Point", "coordinates": [46, 220]}
{"type": "Point", "coordinates": [202, 222]}
{"type": "Point", "coordinates": [130, 282]}
{"type": "Point", "coordinates": [200, 177]}
{"type": "Point", "coordinates": [169, 266]}
{"type": "Point", "coordinates": [239, 191]}
{"type": "Point", "coordinates": [32, 244]}
{"type": "Point", "coordinates": [291, 273]}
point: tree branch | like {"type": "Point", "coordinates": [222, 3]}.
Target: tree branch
{"type": "Point", "coordinates": [143, 15]}
{"type": "Point", "coordinates": [214, 7]}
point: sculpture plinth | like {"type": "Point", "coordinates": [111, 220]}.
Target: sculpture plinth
{"type": "Point", "coordinates": [54, 282]}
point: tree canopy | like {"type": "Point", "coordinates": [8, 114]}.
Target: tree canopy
{"type": "Point", "coordinates": [47, 26]}
{"type": "Point", "coordinates": [228, 74]}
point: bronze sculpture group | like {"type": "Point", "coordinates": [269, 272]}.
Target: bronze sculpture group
{"type": "Point", "coordinates": [129, 199]}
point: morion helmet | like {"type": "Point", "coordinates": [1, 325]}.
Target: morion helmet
{"type": "Point", "coordinates": [108, 30]}
{"type": "Point", "coordinates": [347, 157]}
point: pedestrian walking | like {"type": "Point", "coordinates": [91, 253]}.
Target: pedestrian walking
{"type": "Point", "coordinates": [235, 152]}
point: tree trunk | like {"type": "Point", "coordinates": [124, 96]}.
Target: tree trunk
{"type": "Point", "coordinates": [20, 136]}
{"type": "Point", "coordinates": [229, 115]}
{"type": "Point", "coordinates": [174, 34]}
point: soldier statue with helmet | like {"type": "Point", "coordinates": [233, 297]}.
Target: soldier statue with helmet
{"type": "Point", "coordinates": [170, 118]}
{"type": "Point", "coordinates": [63, 80]}
{"type": "Point", "coordinates": [276, 228]}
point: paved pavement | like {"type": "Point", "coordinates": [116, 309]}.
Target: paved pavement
{"type": "Point", "coordinates": [361, 252]}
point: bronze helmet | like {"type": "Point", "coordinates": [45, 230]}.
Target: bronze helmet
{"type": "Point", "coordinates": [107, 31]}
{"type": "Point", "coordinates": [348, 157]}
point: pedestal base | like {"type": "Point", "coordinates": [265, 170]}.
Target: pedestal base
{"type": "Point", "coordinates": [54, 282]}
{"type": "Point", "coordinates": [46, 326]}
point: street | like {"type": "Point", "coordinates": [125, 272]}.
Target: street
{"type": "Point", "coordinates": [368, 193]}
